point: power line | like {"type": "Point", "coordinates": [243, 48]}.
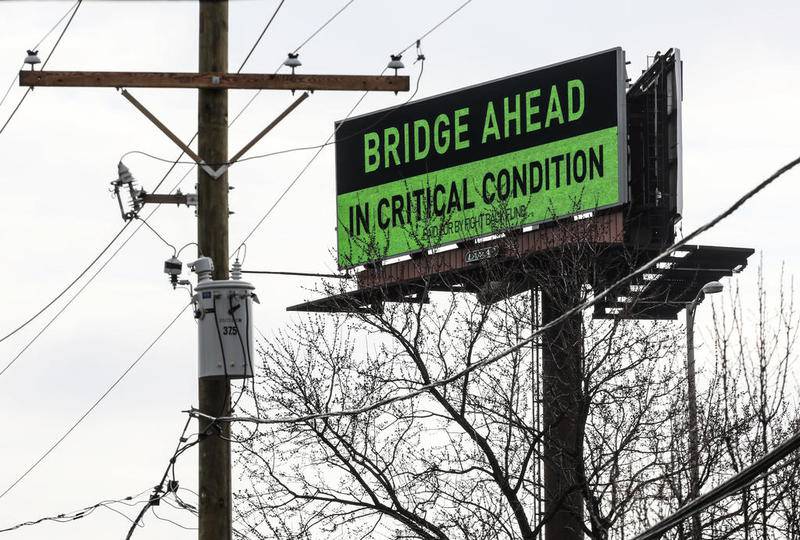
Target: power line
{"type": "Point", "coordinates": [64, 291]}
{"type": "Point", "coordinates": [124, 374]}
{"type": "Point", "coordinates": [321, 28]}
{"type": "Point", "coordinates": [61, 35]}
{"type": "Point", "coordinates": [158, 491]}
{"type": "Point", "coordinates": [36, 47]}
{"type": "Point", "coordinates": [95, 404]}
{"type": "Point", "coordinates": [10, 86]}
{"type": "Point", "coordinates": [64, 16]}
{"type": "Point", "coordinates": [28, 91]}
{"type": "Point", "coordinates": [328, 140]}
{"type": "Point", "coordinates": [90, 280]}
{"type": "Point", "coordinates": [264, 31]}
{"type": "Point", "coordinates": [144, 220]}
{"type": "Point", "coordinates": [540, 330]}
{"type": "Point", "coordinates": [14, 111]}
{"type": "Point", "coordinates": [119, 233]}
{"type": "Point", "coordinates": [307, 40]}
{"type": "Point", "coordinates": [75, 515]}
{"type": "Point", "coordinates": [320, 148]}
{"type": "Point", "coordinates": [736, 483]}
{"type": "Point", "coordinates": [436, 27]}
{"type": "Point", "coordinates": [296, 178]}
{"type": "Point", "coordinates": [304, 274]}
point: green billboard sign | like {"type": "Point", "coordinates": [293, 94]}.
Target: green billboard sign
{"type": "Point", "coordinates": [538, 146]}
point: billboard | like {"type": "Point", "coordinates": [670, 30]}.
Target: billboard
{"type": "Point", "coordinates": [655, 180]}
{"type": "Point", "coordinates": [517, 151]}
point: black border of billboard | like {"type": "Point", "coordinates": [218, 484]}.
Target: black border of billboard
{"type": "Point", "coordinates": [622, 149]}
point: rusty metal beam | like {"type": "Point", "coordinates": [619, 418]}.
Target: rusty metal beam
{"type": "Point", "coordinates": [230, 81]}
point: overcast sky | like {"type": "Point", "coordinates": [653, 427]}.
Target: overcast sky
{"type": "Point", "coordinates": [61, 151]}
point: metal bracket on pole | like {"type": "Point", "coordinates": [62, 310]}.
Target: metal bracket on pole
{"type": "Point", "coordinates": [189, 152]}
{"type": "Point", "coordinates": [189, 199]}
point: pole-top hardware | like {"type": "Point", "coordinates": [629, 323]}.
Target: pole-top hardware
{"type": "Point", "coordinates": [203, 267]}
{"type": "Point", "coordinates": [125, 181]}
{"type": "Point", "coordinates": [173, 267]}
{"type": "Point", "coordinates": [32, 58]}
{"type": "Point", "coordinates": [139, 197]}
{"type": "Point", "coordinates": [395, 63]}
{"type": "Point", "coordinates": [236, 270]}
{"type": "Point", "coordinates": [292, 61]}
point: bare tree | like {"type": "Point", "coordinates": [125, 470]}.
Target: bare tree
{"type": "Point", "coordinates": [748, 406]}
{"type": "Point", "coordinates": [459, 461]}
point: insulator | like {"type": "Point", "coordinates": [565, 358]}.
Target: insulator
{"type": "Point", "coordinates": [32, 58]}
{"type": "Point", "coordinates": [395, 63]}
{"type": "Point", "coordinates": [293, 61]}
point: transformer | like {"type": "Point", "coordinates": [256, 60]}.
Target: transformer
{"type": "Point", "coordinates": [223, 309]}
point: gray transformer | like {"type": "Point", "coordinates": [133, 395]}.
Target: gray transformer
{"type": "Point", "coordinates": [225, 328]}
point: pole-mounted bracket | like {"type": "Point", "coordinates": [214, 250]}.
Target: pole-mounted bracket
{"type": "Point", "coordinates": [214, 173]}
{"type": "Point", "coordinates": [139, 197]}
{"type": "Point", "coordinates": [189, 199]}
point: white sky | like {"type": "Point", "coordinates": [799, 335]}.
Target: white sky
{"type": "Point", "coordinates": [61, 150]}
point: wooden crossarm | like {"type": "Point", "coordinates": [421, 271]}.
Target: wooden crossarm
{"type": "Point", "coordinates": [230, 81]}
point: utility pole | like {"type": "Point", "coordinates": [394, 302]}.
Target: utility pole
{"type": "Point", "coordinates": [214, 396]}
{"type": "Point", "coordinates": [212, 83]}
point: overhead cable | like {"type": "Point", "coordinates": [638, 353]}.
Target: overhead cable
{"type": "Point", "coordinates": [28, 91]}
{"type": "Point", "coordinates": [65, 289]}
{"type": "Point", "coordinates": [75, 515]}
{"type": "Point", "coordinates": [320, 148]}
{"type": "Point", "coordinates": [89, 281]}
{"type": "Point", "coordinates": [302, 274]}
{"type": "Point", "coordinates": [321, 28]}
{"type": "Point", "coordinates": [540, 330]}
{"type": "Point", "coordinates": [118, 234]}
{"type": "Point", "coordinates": [260, 37]}
{"type": "Point", "coordinates": [327, 142]}
{"type": "Point", "coordinates": [36, 47]}
{"type": "Point", "coordinates": [94, 405]}
{"type": "Point", "coordinates": [436, 26]}
{"type": "Point", "coordinates": [307, 40]}
{"type": "Point", "coordinates": [734, 484]}
{"type": "Point", "coordinates": [160, 491]}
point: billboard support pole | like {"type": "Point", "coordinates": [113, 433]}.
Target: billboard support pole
{"type": "Point", "coordinates": [536, 407]}
{"type": "Point", "coordinates": [562, 350]}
